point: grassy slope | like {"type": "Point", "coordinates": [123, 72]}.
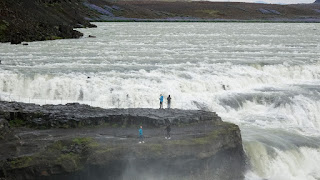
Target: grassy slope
{"type": "Point", "coordinates": [215, 10]}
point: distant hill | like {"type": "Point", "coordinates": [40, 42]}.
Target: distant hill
{"type": "Point", "coordinates": [217, 11]}
{"type": "Point", "coordinates": [317, 1]}
{"type": "Point", "coordinates": [35, 20]}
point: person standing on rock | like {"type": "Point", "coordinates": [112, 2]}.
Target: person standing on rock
{"type": "Point", "coordinates": [161, 101]}
{"type": "Point", "coordinates": [168, 129]}
{"type": "Point", "coordinates": [169, 101]}
{"type": "Point", "coordinates": [141, 140]}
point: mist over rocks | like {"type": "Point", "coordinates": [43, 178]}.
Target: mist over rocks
{"type": "Point", "coordinates": [76, 141]}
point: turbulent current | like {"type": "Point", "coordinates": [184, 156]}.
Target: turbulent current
{"type": "Point", "coordinates": [263, 77]}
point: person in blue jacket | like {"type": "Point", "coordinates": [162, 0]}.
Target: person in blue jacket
{"type": "Point", "coordinates": [141, 140]}
{"type": "Point", "coordinates": [161, 101]}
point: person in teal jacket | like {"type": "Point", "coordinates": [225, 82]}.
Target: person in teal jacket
{"type": "Point", "coordinates": [141, 139]}
{"type": "Point", "coordinates": [161, 101]}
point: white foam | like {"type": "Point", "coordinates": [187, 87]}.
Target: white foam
{"type": "Point", "coordinates": [294, 164]}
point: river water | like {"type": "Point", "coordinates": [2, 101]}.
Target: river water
{"type": "Point", "coordinates": [263, 77]}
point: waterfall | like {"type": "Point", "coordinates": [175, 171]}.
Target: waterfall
{"type": "Point", "coordinates": [263, 77]}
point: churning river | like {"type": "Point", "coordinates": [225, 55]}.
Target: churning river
{"type": "Point", "coordinates": [263, 77]}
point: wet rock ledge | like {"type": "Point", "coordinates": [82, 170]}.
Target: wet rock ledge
{"type": "Point", "coordinates": [76, 141]}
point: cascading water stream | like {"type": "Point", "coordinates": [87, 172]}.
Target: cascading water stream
{"type": "Point", "coordinates": [263, 77]}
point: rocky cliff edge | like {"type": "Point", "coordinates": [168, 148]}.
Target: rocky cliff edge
{"type": "Point", "coordinates": [76, 141]}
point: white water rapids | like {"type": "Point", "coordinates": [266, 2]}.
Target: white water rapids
{"type": "Point", "coordinates": [271, 75]}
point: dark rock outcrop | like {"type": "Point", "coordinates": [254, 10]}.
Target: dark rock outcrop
{"type": "Point", "coordinates": [76, 115]}
{"type": "Point", "coordinates": [36, 20]}
{"type": "Point", "coordinates": [202, 146]}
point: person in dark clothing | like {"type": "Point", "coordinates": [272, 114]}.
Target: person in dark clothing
{"type": "Point", "coordinates": [168, 129]}
{"type": "Point", "coordinates": [169, 101]}
{"type": "Point", "coordinates": [141, 139]}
